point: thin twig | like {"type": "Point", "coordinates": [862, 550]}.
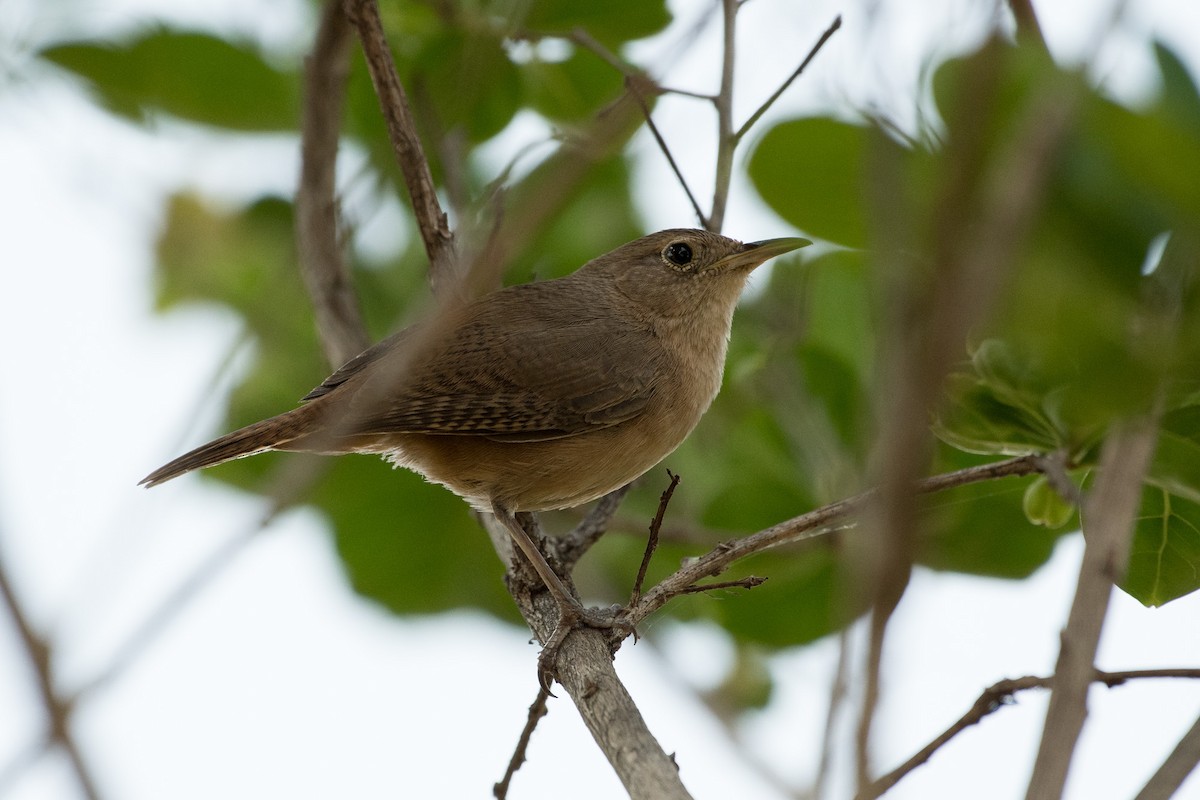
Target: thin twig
{"type": "Point", "coordinates": [726, 142]}
{"type": "Point", "coordinates": [748, 582]}
{"type": "Point", "coordinates": [323, 263]}
{"type": "Point", "coordinates": [537, 710]}
{"type": "Point", "coordinates": [662, 145]}
{"type": "Point", "coordinates": [58, 708]}
{"type": "Point", "coordinates": [757, 115]}
{"type": "Point", "coordinates": [992, 699]}
{"type": "Point", "coordinates": [807, 526]}
{"type": "Point", "coordinates": [402, 129]}
{"type": "Point", "coordinates": [652, 542]}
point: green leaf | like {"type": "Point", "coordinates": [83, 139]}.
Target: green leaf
{"type": "Point", "coordinates": [1164, 563]}
{"type": "Point", "coordinates": [192, 76]}
{"type": "Point", "coordinates": [812, 172]}
{"type": "Point", "coordinates": [1044, 506]}
{"type": "Point", "coordinates": [570, 90]}
{"type": "Point", "coordinates": [1180, 95]}
{"type": "Point", "coordinates": [981, 529]}
{"type": "Point", "coordinates": [468, 83]}
{"type": "Point", "coordinates": [611, 22]}
{"type": "Point", "coordinates": [1176, 464]}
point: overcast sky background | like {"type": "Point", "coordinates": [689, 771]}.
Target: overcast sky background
{"type": "Point", "coordinates": [277, 681]}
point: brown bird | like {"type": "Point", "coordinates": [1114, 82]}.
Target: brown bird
{"type": "Point", "coordinates": [539, 396]}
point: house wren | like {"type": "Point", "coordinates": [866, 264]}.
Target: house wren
{"type": "Point", "coordinates": [535, 397]}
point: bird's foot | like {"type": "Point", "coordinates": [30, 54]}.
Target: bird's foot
{"type": "Point", "coordinates": [573, 616]}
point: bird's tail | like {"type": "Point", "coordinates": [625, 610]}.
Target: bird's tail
{"type": "Point", "coordinates": [271, 434]}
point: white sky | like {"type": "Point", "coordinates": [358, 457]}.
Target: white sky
{"type": "Point", "coordinates": [279, 682]}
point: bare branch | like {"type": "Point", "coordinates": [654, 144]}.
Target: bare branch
{"type": "Point", "coordinates": [726, 141]}
{"type": "Point", "coordinates": [757, 115]}
{"type": "Point", "coordinates": [652, 542]}
{"type": "Point", "coordinates": [431, 219]}
{"type": "Point", "coordinates": [58, 708]}
{"type": "Point", "coordinates": [537, 710]}
{"type": "Point", "coordinates": [995, 697]}
{"type": "Point", "coordinates": [662, 145]}
{"type": "Point", "coordinates": [807, 526]}
{"type": "Point", "coordinates": [1108, 519]}
{"type": "Point", "coordinates": [323, 264]}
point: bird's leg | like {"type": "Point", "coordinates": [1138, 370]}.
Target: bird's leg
{"type": "Point", "coordinates": [571, 611]}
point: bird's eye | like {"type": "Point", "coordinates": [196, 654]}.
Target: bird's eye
{"type": "Point", "coordinates": [678, 254]}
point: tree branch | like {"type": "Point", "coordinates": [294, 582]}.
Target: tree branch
{"type": "Point", "coordinates": [323, 264]}
{"type": "Point", "coordinates": [726, 141]}
{"type": "Point", "coordinates": [537, 710]}
{"type": "Point", "coordinates": [816, 48]}
{"type": "Point", "coordinates": [58, 708]}
{"type": "Point", "coordinates": [584, 667]}
{"type": "Point", "coordinates": [996, 696]}
{"type": "Point", "coordinates": [1108, 516]}
{"type": "Point", "coordinates": [402, 129]}
{"type": "Point", "coordinates": [807, 526]}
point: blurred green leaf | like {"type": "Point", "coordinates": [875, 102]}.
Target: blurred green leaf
{"type": "Point", "coordinates": [467, 83]}
{"type": "Point", "coordinates": [1164, 563]}
{"type": "Point", "coordinates": [192, 76]}
{"type": "Point", "coordinates": [981, 529]}
{"type": "Point", "coordinates": [570, 90]}
{"type": "Point", "coordinates": [611, 22]}
{"type": "Point", "coordinates": [812, 172]}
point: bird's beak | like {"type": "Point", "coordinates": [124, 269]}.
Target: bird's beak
{"type": "Point", "coordinates": [754, 253]}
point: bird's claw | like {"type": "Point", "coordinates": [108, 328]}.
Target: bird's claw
{"type": "Point", "coordinates": [570, 619]}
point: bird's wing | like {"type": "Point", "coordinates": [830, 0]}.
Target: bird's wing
{"type": "Point", "coordinates": [541, 377]}
{"type": "Point", "coordinates": [356, 365]}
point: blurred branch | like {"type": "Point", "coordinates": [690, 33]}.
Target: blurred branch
{"type": "Point", "coordinates": [431, 219]}
{"type": "Point", "coordinates": [990, 197]}
{"type": "Point", "coordinates": [323, 264]}
{"type": "Point", "coordinates": [1175, 770]}
{"type": "Point", "coordinates": [806, 526]}
{"type": "Point", "coordinates": [1028, 26]}
{"type": "Point", "coordinates": [757, 115]}
{"type": "Point", "coordinates": [1108, 516]}
{"type": "Point", "coordinates": [57, 707]}
{"type": "Point", "coordinates": [1000, 694]}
